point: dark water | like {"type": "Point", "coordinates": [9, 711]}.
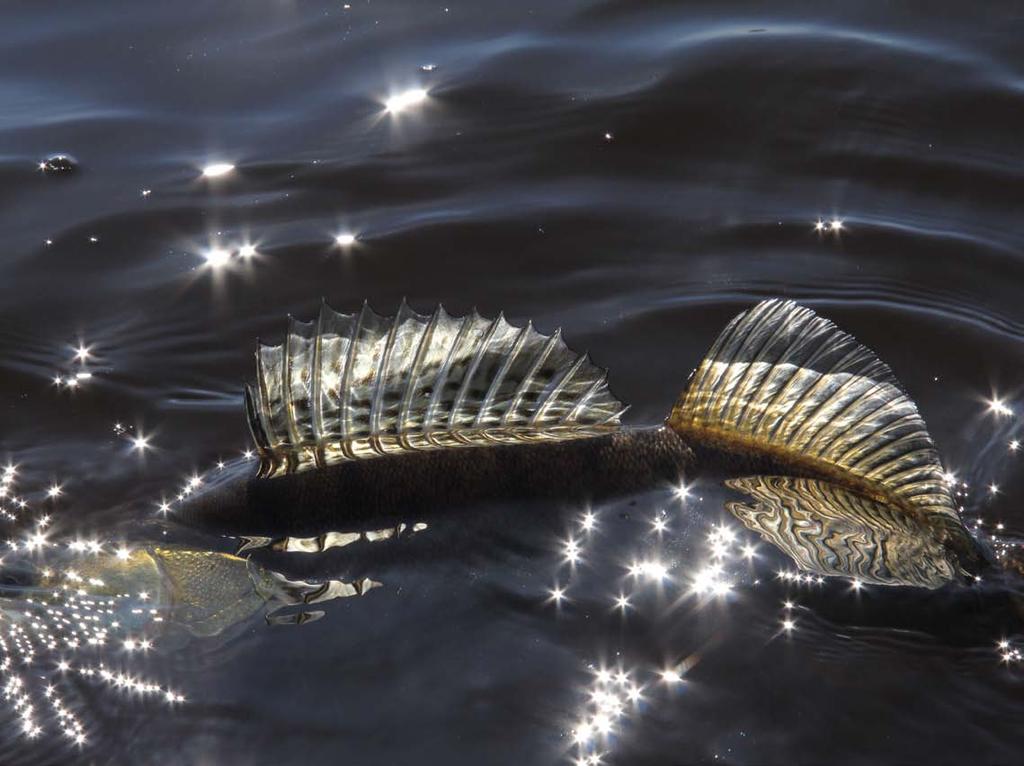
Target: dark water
{"type": "Point", "coordinates": [634, 172]}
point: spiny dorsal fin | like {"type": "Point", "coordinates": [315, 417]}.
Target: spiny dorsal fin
{"type": "Point", "coordinates": [784, 381]}
{"type": "Point", "coordinates": [355, 386]}
{"type": "Point", "coordinates": [830, 530]}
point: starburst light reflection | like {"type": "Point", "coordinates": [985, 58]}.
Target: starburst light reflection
{"type": "Point", "coordinates": [54, 634]}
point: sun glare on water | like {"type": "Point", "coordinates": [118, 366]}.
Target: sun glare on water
{"type": "Point", "coordinates": [404, 100]}
{"type": "Point", "coordinates": [217, 169]}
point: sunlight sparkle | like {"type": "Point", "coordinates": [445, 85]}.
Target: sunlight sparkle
{"type": "Point", "coordinates": [402, 101]}
{"type": "Point", "coordinates": [217, 169]}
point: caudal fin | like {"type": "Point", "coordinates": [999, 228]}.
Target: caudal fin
{"type": "Point", "coordinates": [783, 381]}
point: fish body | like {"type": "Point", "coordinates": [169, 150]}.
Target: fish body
{"type": "Point", "coordinates": [419, 483]}
{"type": "Point", "coordinates": [361, 416]}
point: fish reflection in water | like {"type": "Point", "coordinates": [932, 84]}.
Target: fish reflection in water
{"type": "Point", "coordinates": [327, 540]}
{"type": "Point", "coordinates": [833, 532]}
{"type": "Point", "coordinates": [838, 542]}
{"type": "Point", "coordinates": [83, 618]}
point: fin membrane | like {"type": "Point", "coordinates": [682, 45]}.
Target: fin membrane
{"type": "Point", "coordinates": [832, 531]}
{"type": "Point", "coordinates": [352, 386]}
{"type": "Point", "coordinates": [782, 380]}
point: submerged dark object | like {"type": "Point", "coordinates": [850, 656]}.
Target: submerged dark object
{"type": "Point", "coordinates": [357, 415]}
{"type": "Point", "coordinates": [59, 164]}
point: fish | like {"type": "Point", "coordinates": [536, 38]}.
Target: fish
{"type": "Point", "coordinates": [359, 415]}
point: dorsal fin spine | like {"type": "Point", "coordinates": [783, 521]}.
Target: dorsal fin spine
{"type": "Point", "coordinates": [253, 417]}
{"type": "Point", "coordinates": [460, 399]}
{"type": "Point", "coordinates": [557, 389]}
{"type": "Point", "coordinates": [345, 387]}
{"type": "Point", "coordinates": [618, 415]}
{"type": "Point", "coordinates": [573, 414]}
{"type": "Point", "coordinates": [499, 378]}
{"type": "Point", "coordinates": [442, 374]}
{"type": "Point", "coordinates": [426, 338]}
{"type": "Point", "coordinates": [529, 378]}
{"type": "Point", "coordinates": [264, 395]}
{"type": "Point", "coordinates": [316, 381]}
{"type": "Point", "coordinates": [382, 367]}
{"type": "Point", "coordinates": [287, 355]}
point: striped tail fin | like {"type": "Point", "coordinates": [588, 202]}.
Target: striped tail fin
{"type": "Point", "coordinates": [782, 381]}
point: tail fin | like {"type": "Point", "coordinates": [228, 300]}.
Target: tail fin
{"type": "Point", "coordinates": [783, 381]}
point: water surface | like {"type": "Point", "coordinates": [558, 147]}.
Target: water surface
{"type": "Point", "coordinates": [633, 172]}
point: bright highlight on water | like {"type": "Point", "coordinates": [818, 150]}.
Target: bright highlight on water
{"type": "Point", "coordinates": [217, 169]}
{"type": "Point", "coordinates": [404, 100]}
